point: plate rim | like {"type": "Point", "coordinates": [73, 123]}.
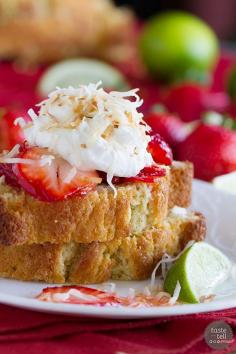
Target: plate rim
{"type": "Point", "coordinates": [118, 312]}
{"type": "Point", "coordinates": [31, 303]}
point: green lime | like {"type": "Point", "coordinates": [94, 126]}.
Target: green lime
{"type": "Point", "coordinates": [75, 72]}
{"type": "Point", "coordinates": [177, 45]}
{"type": "Point", "coordinates": [231, 84]}
{"type": "Point", "coordinates": [199, 269]}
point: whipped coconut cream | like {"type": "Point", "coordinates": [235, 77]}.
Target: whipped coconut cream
{"type": "Point", "coordinates": [92, 130]}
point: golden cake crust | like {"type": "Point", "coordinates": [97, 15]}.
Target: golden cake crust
{"type": "Point", "coordinates": [130, 258]}
{"type": "Point", "coordinates": [98, 216]}
{"type": "Point", "coordinates": [180, 184]}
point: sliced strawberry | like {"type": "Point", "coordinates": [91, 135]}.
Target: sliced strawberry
{"type": "Point", "coordinates": [7, 172]}
{"type": "Point", "coordinates": [52, 181]}
{"type": "Point", "coordinates": [147, 174]}
{"type": "Point", "coordinates": [79, 295]}
{"type": "Point", "coordinates": [160, 150]}
{"type": "Point", "coordinates": [161, 153]}
{"type": "Point", "coordinates": [10, 134]}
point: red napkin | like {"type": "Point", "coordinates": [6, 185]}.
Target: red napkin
{"type": "Point", "coordinates": [30, 332]}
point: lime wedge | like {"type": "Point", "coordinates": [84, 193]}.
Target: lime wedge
{"type": "Point", "coordinates": [199, 270]}
{"type": "Point", "coordinates": [226, 182]}
{"type": "Point", "coordinates": [75, 72]}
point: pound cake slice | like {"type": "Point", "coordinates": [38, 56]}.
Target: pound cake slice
{"type": "Point", "coordinates": [181, 177]}
{"type": "Point", "coordinates": [98, 216]}
{"type": "Point", "coordinates": [130, 258]}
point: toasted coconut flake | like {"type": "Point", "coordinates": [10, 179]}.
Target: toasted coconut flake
{"type": "Point", "coordinates": [112, 287]}
{"type": "Point", "coordinates": [13, 152]}
{"type": "Point", "coordinates": [131, 293]}
{"type": "Point", "coordinates": [32, 114]}
{"type": "Point", "coordinates": [176, 293]}
{"type": "Point", "coordinates": [16, 160]}
{"type": "Point", "coordinates": [20, 121]}
{"type": "Point", "coordinates": [147, 291]}
{"type": "Point", "coordinates": [208, 298]}
{"type": "Point", "coordinates": [2, 179]}
{"type": "Point", "coordinates": [110, 175]}
{"type": "Point", "coordinates": [46, 160]}
{"type": "Point", "coordinates": [163, 297]}
{"type": "Point", "coordinates": [70, 175]}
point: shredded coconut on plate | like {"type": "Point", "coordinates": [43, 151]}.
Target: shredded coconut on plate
{"type": "Point", "coordinates": [176, 293]}
{"type": "Point", "coordinates": [167, 260]}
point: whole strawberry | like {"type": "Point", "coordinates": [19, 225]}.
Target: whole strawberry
{"type": "Point", "coordinates": [212, 149]}
{"type": "Point", "coordinates": [231, 89]}
{"type": "Point", "coordinates": [190, 100]}
{"type": "Point", "coordinates": [169, 126]}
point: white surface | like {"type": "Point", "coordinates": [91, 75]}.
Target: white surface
{"type": "Point", "coordinates": [220, 210]}
{"type": "Point", "coordinates": [226, 182]}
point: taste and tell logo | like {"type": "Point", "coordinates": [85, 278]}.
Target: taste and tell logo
{"type": "Point", "coordinates": [218, 335]}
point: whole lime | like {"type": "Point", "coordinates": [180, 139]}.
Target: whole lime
{"type": "Point", "coordinates": [231, 83]}
{"type": "Point", "coordinates": [176, 45]}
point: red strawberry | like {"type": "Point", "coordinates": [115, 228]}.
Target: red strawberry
{"type": "Point", "coordinates": [82, 295]}
{"type": "Point", "coordinates": [212, 149]}
{"type": "Point", "coordinates": [169, 126]}
{"type": "Point", "coordinates": [52, 182]}
{"type": "Point", "coordinates": [147, 174]}
{"type": "Point", "coordinates": [231, 89]}
{"type": "Point", "coordinates": [189, 101]}
{"type": "Point", "coordinates": [231, 83]}
{"type": "Point", "coordinates": [7, 172]}
{"type": "Point", "coordinates": [10, 134]}
{"type": "Point", "coordinates": [79, 295]}
{"type": "Point", "coordinates": [161, 154]}
{"type": "Point", "coordinates": [232, 110]}
{"type": "Point", "coordinates": [160, 150]}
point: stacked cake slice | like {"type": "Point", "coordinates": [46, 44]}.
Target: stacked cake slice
{"type": "Point", "coordinates": [100, 236]}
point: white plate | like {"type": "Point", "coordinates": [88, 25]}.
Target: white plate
{"type": "Point", "coordinates": [219, 208]}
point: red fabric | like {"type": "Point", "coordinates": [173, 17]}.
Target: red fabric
{"type": "Point", "coordinates": [29, 332]}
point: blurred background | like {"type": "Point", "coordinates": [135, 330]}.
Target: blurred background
{"type": "Point", "coordinates": [180, 54]}
{"type": "Point", "coordinates": [219, 14]}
